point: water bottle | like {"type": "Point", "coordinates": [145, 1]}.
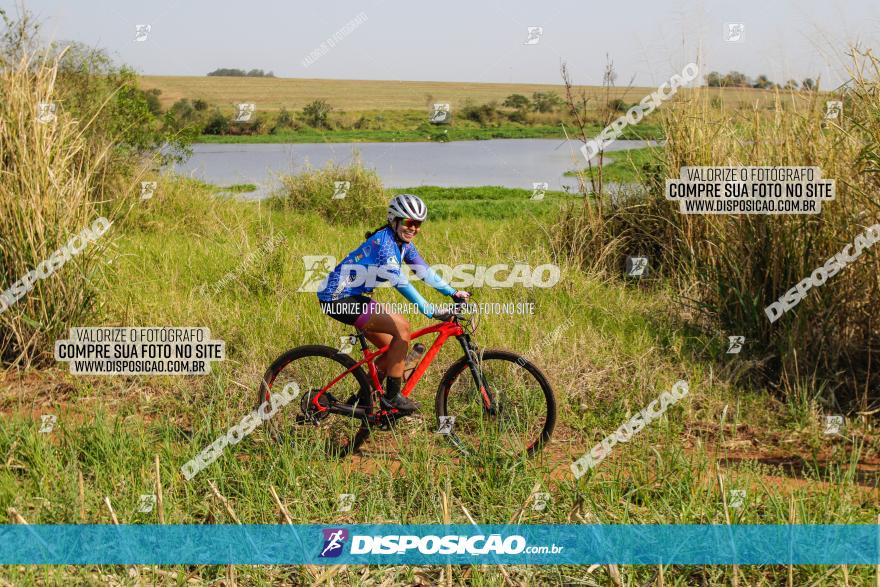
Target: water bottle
{"type": "Point", "coordinates": [412, 359]}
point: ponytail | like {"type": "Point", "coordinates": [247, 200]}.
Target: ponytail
{"type": "Point", "coordinates": [369, 234]}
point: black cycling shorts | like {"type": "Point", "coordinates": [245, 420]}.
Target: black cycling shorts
{"type": "Point", "coordinates": [354, 310]}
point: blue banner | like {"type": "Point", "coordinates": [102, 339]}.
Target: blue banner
{"type": "Point", "coordinates": [440, 544]}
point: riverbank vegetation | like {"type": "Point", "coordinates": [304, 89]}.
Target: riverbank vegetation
{"type": "Point", "coordinates": [353, 111]}
{"type": "Point", "coordinates": [728, 268]}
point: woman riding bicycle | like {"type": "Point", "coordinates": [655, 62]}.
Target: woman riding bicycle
{"type": "Point", "coordinates": [344, 299]}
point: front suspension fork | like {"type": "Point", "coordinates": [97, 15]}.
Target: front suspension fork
{"type": "Point", "coordinates": [470, 351]}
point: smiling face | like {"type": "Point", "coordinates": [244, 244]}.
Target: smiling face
{"type": "Point", "coordinates": [406, 229]}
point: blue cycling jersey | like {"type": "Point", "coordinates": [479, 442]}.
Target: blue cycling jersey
{"type": "Point", "coordinates": [378, 260]}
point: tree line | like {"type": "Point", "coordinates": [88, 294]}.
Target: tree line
{"type": "Point", "coordinates": [229, 72]}
{"type": "Point", "coordinates": [735, 79]}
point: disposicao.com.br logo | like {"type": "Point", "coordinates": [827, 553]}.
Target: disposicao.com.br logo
{"type": "Point", "coordinates": [334, 542]}
{"type": "Point", "coordinates": [477, 545]}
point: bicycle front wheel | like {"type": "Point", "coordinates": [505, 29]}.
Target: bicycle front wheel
{"type": "Point", "coordinates": [514, 417]}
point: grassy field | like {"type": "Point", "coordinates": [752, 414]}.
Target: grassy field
{"type": "Point", "coordinates": [363, 95]}
{"type": "Point", "coordinates": [624, 346]}
{"type": "Point", "coordinates": [623, 166]}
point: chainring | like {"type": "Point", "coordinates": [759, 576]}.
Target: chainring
{"type": "Point", "coordinates": [308, 408]}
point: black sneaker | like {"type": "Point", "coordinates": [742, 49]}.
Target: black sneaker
{"type": "Point", "coordinates": [401, 403]}
{"type": "Point", "coordinates": [356, 399]}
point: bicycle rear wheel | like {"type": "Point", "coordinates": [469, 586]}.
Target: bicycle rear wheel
{"type": "Point", "coordinates": [522, 413]}
{"type": "Point", "coordinates": [312, 367]}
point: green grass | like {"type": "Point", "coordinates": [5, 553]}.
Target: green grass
{"type": "Point", "coordinates": [487, 203]}
{"type": "Point", "coordinates": [239, 188]}
{"type": "Point", "coordinates": [625, 166]}
{"type": "Point", "coordinates": [623, 348]}
{"type": "Point", "coordinates": [438, 133]}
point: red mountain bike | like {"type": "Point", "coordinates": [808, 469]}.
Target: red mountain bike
{"type": "Point", "coordinates": [501, 402]}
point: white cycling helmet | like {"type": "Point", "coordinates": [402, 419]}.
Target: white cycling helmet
{"type": "Point", "coordinates": [407, 206]}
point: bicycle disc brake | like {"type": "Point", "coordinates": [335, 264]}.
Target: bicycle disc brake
{"type": "Point", "coordinates": [311, 414]}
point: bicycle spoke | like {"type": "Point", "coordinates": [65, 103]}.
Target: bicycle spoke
{"type": "Point", "coordinates": [518, 419]}
{"type": "Point", "coordinates": [300, 422]}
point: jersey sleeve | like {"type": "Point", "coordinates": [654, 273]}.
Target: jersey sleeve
{"type": "Point", "coordinates": [413, 295]}
{"type": "Point", "coordinates": [390, 270]}
{"type": "Point", "coordinates": [424, 272]}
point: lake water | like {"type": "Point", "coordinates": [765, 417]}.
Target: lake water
{"type": "Point", "coordinates": [515, 163]}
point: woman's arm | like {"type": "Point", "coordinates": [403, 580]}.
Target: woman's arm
{"type": "Point", "coordinates": [424, 272]}
{"type": "Point", "coordinates": [413, 295]}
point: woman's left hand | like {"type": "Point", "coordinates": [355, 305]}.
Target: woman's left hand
{"type": "Point", "coordinates": [461, 296]}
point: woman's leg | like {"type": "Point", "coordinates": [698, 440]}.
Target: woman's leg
{"type": "Point", "coordinates": [379, 340]}
{"type": "Point", "coordinates": [379, 326]}
{"type": "Point", "coordinates": [392, 329]}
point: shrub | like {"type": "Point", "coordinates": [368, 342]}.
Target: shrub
{"type": "Point", "coordinates": [284, 121]}
{"type": "Point", "coordinates": [217, 124]}
{"type": "Point", "coordinates": [313, 190]}
{"type": "Point", "coordinates": [517, 101]}
{"type": "Point", "coordinates": [152, 97]}
{"type": "Point", "coordinates": [316, 114]}
{"type": "Point", "coordinates": [618, 105]}
{"type": "Point", "coordinates": [546, 101]}
{"type": "Point", "coordinates": [482, 114]}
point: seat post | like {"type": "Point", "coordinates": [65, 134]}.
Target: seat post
{"type": "Point", "coordinates": [363, 339]}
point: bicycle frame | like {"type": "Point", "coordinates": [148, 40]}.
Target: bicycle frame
{"type": "Point", "coordinates": [445, 331]}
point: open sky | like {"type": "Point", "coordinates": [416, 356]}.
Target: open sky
{"type": "Point", "coordinates": [472, 40]}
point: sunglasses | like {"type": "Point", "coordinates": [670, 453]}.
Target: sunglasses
{"type": "Point", "coordinates": [410, 223]}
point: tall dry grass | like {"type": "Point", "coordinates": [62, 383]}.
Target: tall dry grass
{"type": "Point", "coordinates": [729, 267]}
{"type": "Point", "coordinates": [54, 182]}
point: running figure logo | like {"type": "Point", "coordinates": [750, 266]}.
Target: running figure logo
{"type": "Point", "coordinates": [534, 37]}
{"type": "Point", "coordinates": [334, 539]}
{"type": "Point", "coordinates": [317, 268]}
{"type": "Point", "coordinates": [735, 344]}
{"type": "Point", "coordinates": [440, 114]}
{"type": "Point", "coordinates": [538, 189]}
{"type": "Point", "coordinates": [446, 424]}
{"type": "Point", "coordinates": [243, 112]}
{"type": "Point", "coordinates": [636, 266]}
